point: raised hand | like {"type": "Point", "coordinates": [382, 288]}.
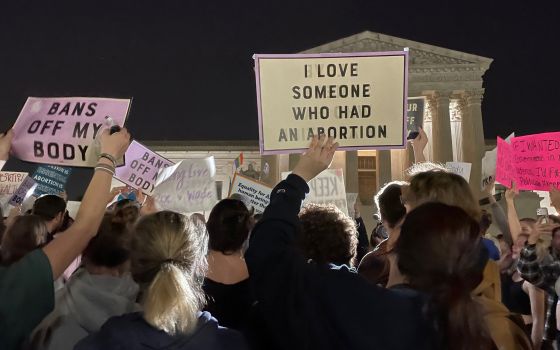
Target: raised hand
{"type": "Point", "coordinates": [512, 192]}
{"type": "Point", "coordinates": [555, 198]}
{"type": "Point", "coordinates": [115, 144]}
{"type": "Point", "coordinates": [6, 144]}
{"type": "Point", "coordinates": [489, 189]}
{"type": "Point", "coordinates": [540, 229]}
{"type": "Point", "coordinates": [317, 158]}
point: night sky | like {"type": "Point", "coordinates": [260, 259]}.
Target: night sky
{"type": "Point", "coordinates": [188, 64]}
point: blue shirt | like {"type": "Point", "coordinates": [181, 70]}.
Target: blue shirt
{"type": "Point", "coordinates": [493, 252]}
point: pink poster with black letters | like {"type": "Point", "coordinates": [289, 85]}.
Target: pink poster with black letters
{"type": "Point", "coordinates": [62, 130]}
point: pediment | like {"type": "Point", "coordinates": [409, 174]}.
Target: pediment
{"type": "Point", "coordinates": [420, 54]}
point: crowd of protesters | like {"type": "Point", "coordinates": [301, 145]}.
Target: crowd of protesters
{"type": "Point", "coordinates": [431, 275]}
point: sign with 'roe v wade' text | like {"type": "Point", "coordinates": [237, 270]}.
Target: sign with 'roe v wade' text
{"type": "Point", "coordinates": [141, 166]}
{"type": "Point", "coordinates": [62, 130]}
{"type": "Point", "coordinates": [358, 98]}
{"type": "Point", "coordinates": [187, 187]}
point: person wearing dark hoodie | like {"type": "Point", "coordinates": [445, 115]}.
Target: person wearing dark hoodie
{"type": "Point", "coordinates": [101, 289]}
{"type": "Point", "coordinates": [168, 261]}
{"type": "Point", "coordinates": [307, 305]}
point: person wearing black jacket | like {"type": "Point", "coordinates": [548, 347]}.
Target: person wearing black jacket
{"type": "Point", "coordinates": [312, 306]}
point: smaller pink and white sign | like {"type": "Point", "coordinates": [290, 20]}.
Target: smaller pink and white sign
{"type": "Point", "coordinates": [141, 166]}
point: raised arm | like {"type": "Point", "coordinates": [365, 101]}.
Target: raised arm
{"type": "Point", "coordinates": [513, 219]}
{"type": "Point", "coordinates": [418, 146]}
{"type": "Point", "coordinates": [272, 239]}
{"type": "Point", "coordinates": [5, 144]}
{"type": "Point", "coordinates": [69, 244]}
{"type": "Point", "coordinates": [498, 213]}
{"type": "Point", "coordinates": [530, 267]}
{"type": "Point", "coordinates": [555, 198]}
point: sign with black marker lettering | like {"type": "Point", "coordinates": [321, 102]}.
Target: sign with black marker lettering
{"type": "Point", "coordinates": [62, 130]}
{"type": "Point", "coordinates": [256, 193]}
{"type": "Point", "coordinates": [187, 187]}
{"type": "Point", "coordinates": [23, 192]}
{"type": "Point", "coordinates": [141, 167]}
{"type": "Point", "coordinates": [358, 98]}
{"type": "Point", "coordinates": [327, 188]}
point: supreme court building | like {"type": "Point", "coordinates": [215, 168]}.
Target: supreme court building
{"type": "Point", "coordinates": [450, 83]}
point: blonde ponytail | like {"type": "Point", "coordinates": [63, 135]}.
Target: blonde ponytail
{"type": "Point", "coordinates": [172, 302]}
{"type": "Point", "coordinates": [168, 260]}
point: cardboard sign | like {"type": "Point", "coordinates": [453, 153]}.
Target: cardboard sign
{"type": "Point", "coordinates": [51, 179]}
{"type": "Point", "coordinates": [536, 159]}
{"type": "Point", "coordinates": [415, 113]}
{"type": "Point", "coordinates": [24, 191]}
{"type": "Point", "coordinates": [358, 98]}
{"type": "Point", "coordinates": [9, 183]}
{"type": "Point", "coordinates": [489, 164]}
{"type": "Point", "coordinates": [73, 207]}
{"type": "Point", "coordinates": [351, 199]}
{"type": "Point", "coordinates": [459, 168]}
{"type": "Point", "coordinates": [327, 188]}
{"type": "Point", "coordinates": [187, 186]}
{"type": "Point", "coordinates": [505, 171]}
{"type": "Point", "coordinates": [141, 167]}
{"type": "Point", "coordinates": [62, 130]}
{"type": "Point", "coordinates": [256, 193]}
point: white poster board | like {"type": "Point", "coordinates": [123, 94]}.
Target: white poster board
{"type": "Point", "coordinates": [187, 187]}
{"type": "Point", "coordinates": [254, 192]}
{"type": "Point", "coordinates": [461, 169]}
{"type": "Point", "coordinates": [327, 188]}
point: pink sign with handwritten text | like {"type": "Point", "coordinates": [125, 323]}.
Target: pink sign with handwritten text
{"type": "Point", "coordinates": [532, 161]}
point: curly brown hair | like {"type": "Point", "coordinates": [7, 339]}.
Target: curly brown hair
{"type": "Point", "coordinates": [329, 236]}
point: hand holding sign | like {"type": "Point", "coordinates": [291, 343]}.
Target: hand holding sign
{"type": "Point", "coordinates": [419, 144]}
{"type": "Point", "coordinates": [317, 158]}
{"type": "Point", "coordinates": [555, 198]}
{"type": "Point", "coordinates": [115, 144]}
{"type": "Point", "coordinates": [512, 192]}
{"type": "Point", "coordinates": [5, 144]}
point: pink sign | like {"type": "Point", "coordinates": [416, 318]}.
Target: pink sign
{"type": "Point", "coordinates": [537, 161]}
{"type": "Point", "coordinates": [141, 167]}
{"type": "Point", "coordinates": [532, 161]}
{"type": "Point", "coordinates": [62, 130]}
{"type": "Point", "coordinates": [505, 171]}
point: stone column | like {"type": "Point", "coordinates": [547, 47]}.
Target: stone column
{"type": "Point", "coordinates": [383, 167]}
{"type": "Point", "coordinates": [351, 172]}
{"type": "Point", "coordinates": [441, 129]}
{"type": "Point", "coordinates": [473, 137]}
{"type": "Point", "coordinates": [294, 158]}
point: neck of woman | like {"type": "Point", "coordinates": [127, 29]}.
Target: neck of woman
{"type": "Point", "coordinates": [227, 268]}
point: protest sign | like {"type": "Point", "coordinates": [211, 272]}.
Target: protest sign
{"type": "Point", "coordinates": [51, 179]}
{"type": "Point", "coordinates": [358, 98]}
{"type": "Point", "coordinates": [73, 207]}
{"type": "Point", "coordinates": [327, 188]}
{"type": "Point", "coordinates": [505, 171]}
{"type": "Point", "coordinates": [460, 168]}
{"type": "Point", "coordinates": [415, 113]}
{"type": "Point", "coordinates": [24, 191]}
{"type": "Point", "coordinates": [187, 186]}
{"type": "Point", "coordinates": [141, 167]}
{"type": "Point", "coordinates": [255, 192]}
{"type": "Point", "coordinates": [62, 130]}
{"type": "Point", "coordinates": [9, 183]}
{"type": "Point", "coordinates": [489, 164]}
{"type": "Point", "coordinates": [351, 199]}
{"type": "Point", "coordinates": [536, 159]}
